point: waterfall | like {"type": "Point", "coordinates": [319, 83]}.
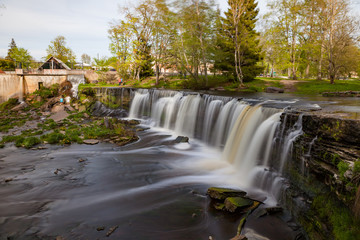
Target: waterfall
{"type": "Point", "coordinates": [75, 80]}
{"type": "Point", "coordinates": [246, 132]}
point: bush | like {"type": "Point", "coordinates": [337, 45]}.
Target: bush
{"type": "Point", "coordinates": [12, 102]}
{"type": "Point", "coordinates": [53, 138]}
{"type": "Point", "coordinates": [30, 141]}
{"type": "Point", "coordinates": [90, 92]}
{"type": "Point", "coordinates": [19, 141]}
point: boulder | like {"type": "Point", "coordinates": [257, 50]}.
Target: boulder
{"type": "Point", "coordinates": [274, 90]}
{"type": "Point", "coordinates": [20, 107]}
{"type": "Point", "coordinates": [233, 204]}
{"type": "Point", "coordinates": [223, 193]}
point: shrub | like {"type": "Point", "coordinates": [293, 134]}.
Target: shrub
{"type": "Point", "coordinates": [12, 102]}
{"type": "Point", "coordinates": [30, 141]}
{"type": "Point", "coordinates": [90, 92]}
{"type": "Point", "coordinates": [53, 137]}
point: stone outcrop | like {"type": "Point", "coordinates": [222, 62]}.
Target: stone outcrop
{"type": "Point", "coordinates": [323, 164]}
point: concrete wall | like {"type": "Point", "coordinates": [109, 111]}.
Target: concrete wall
{"type": "Point", "coordinates": [31, 82]}
{"type": "Point", "coordinates": [10, 86]}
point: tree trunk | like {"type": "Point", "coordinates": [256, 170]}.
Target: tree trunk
{"type": "Point", "coordinates": [157, 73]}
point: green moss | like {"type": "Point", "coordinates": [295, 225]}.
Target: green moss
{"type": "Point", "coordinates": [337, 217]}
{"type": "Point", "coordinates": [356, 169]}
{"type": "Point", "coordinates": [342, 167]}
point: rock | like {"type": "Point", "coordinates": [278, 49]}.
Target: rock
{"type": "Point", "coordinates": [91, 141]}
{"type": "Point", "coordinates": [274, 210]}
{"type": "Point", "coordinates": [274, 90]}
{"type": "Point", "coordinates": [233, 204]}
{"type": "Point", "coordinates": [49, 104]}
{"type": "Point", "coordinates": [108, 123]}
{"type": "Point", "coordinates": [223, 193]}
{"type": "Point", "coordinates": [69, 108]}
{"type": "Point", "coordinates": [102, 228]}
{"type": "Point", "coordinates": [59, 116]}
{"type": "Point", "coordinates": [8, 180]}
{"type": "Point", "coordinates": [20, 107]}
{"type": "Point", "coordinates": [181, 139]}
{"type": "Point", "coordinates": [111, 230]}
{"type": "Point", "coordinates": [239, 237]}
{"type": "Point", "coordinates": [219, 206]}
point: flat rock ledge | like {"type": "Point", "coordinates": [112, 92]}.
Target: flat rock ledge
{"type": "Point", "coordinates": [91, 141]}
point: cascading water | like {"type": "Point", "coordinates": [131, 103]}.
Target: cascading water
{"type": "Point", "coordinates": [75, 80]}
{"type": "Point", "coordinates": [244, 133]}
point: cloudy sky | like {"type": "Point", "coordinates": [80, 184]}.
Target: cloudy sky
{"type": "Point", "coordinates": [84, 24]}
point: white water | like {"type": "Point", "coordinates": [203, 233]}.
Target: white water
{"type": "Point", "coordinates": [242, 135]}
{"type": "Point", "coordinates": [76, 80]}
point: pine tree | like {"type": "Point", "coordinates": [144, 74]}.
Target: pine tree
{"type": "Point", "coordinates": [12, 47]}
{"type": "Point", "coordinates": [244, 40]}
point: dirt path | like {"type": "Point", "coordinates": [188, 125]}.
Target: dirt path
{"type": "Point", "coordinates": [290, 85]}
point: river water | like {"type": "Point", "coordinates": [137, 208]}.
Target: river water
{"type": "Point", "coordinates": [155, 188]}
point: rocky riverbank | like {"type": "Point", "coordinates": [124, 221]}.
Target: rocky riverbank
{"type": "Point", "coordinates": [324, 174]}
{"type": "Point", "coordinates": [42, 119]}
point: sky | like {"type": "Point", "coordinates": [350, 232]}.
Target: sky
{"type": "Point", "coordinates": [84, 23]}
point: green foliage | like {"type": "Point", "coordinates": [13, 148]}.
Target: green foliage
{"type": "Point", "coordinates": [21, 55]}
{"type": "Point", "coordinates": [53, 138]}
{"type": "Point", "coordinates": [12, 102]}
{"type": "Point", "coordinates": [58, 49]}
{"type": "Point", "coordinates": [342, 167]}
{"type": "Point", "coordinates": [338, 218]}
{"type": "Point", "coordinates": [50, 92]}
{"type": "Point", "coordinates": [30, 142]}
{"type": "Point", "coordinates": [19, 141]}
{"type": "Point", "coordinates": [7, 65]}
{"type": "Point", "coordinates": [356, 169]}
{"type": "Point", "coordinates": [89, 92]}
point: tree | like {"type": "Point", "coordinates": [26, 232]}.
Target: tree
{"type": "Point", "coordinates": [12, 47]}
{"type": "Point", "coordinates": [58, 49]}
{"type": "Point", "coordinates": [20, 55]}
{"type": "Point", "coordinates": [240, 40]}
{"type": "Point", "coordinates": [195, 25]}
{"type": "Point", "coordinates": [85, 58]}
{"type": "Point", "coordinates": [339, 37]}
{"type": "Point", "coordinates": [162, 34]}
{"type": "Point", "coordinates": [121, 37]}
{"type": "Point", "coordinates": [287, 20]}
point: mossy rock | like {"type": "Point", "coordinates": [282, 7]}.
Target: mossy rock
{"type": "Point", "coordinates": [223, 193]}
{"type": "Point", "coordinates": [233, 204]}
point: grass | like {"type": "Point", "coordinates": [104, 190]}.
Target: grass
{"type": "Point", "coordinates": [320, 86]}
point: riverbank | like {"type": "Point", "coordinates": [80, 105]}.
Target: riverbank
{"type": "Point", "coordinates": [41, 120]}
{"type": "Point", "coordinates": [259, 84]}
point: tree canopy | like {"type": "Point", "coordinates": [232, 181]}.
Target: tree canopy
{"type": "Point", "coordinates": [58, 49]}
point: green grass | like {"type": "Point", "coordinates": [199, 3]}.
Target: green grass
{"type": "Point", "coordinates": [320, 86]}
